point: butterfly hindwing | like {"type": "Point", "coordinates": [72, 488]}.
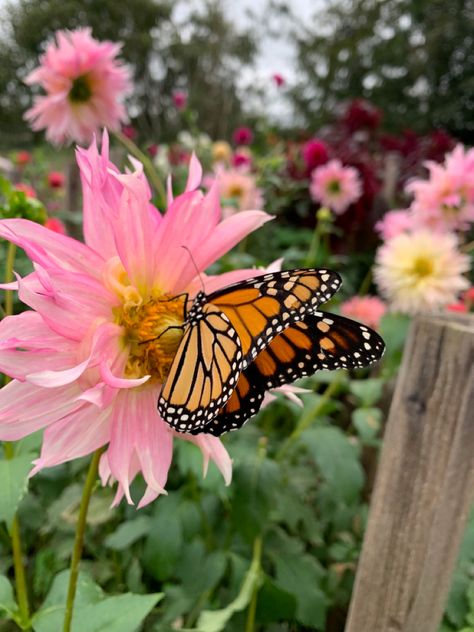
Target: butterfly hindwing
{"type": "Point", "coordinates": [260, 308]}
{"type": "Point", "coordinates": [320, 341]}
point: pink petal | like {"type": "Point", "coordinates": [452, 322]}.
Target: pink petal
{"type": "Point", "coordinates": [136, 233]}
{"type": "Point", "coordinates": [101, 196]}
{"type": "Point", "coordinates": [212, 448]}
{"type": "Point", "coordinates": [26, 408]}
{"type": "Point", "coordinates": [194, 174]}
{"type": "Point", "coordinates": [117, 382]}
{"type": "Point", "coordinates": [74, 436]}
{"type": "Point", "coordinates": [121, 449]}
{"type": "Point", "coordinates": [50, 249]}
{"type": "Point", "coordinates": [227, 234]}
{"type": "Point", "coordinates": [69, 303]}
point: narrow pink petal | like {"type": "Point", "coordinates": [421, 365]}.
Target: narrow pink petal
{"type": "Point", "coordinates": [9, 286]}
{"type": "Point", "coordinates": [50, 249]}
{"type": "Point", "coordinates": [136, 232]}
{"type": "Point", "coordinates": [26, 408]}
{"type": "Point", "coordinates": [154, 444]}
{"type": "Point", "coordinates": [52, 379]}
{"type": "Point", "coordinates": [117, 382]}
{"type": "Point", "coordinates": [194, 174]}
{"type": "Point", "coordinates": [212, 448]}
{"type": "Point", "coordinates": [29, 331]}
{"type": "Point", "coordinates": [101, 196]}
{"type": "Point", "coordinates": [169, 191]}
{"type": "Point", "coordinates": [227, 234]}
{"type": "Point", "coordinates": [74, 436]}
{"type": "Point", "coordinates": [121, 450]}
{"type": "Point", "coordinates": [69, 303]}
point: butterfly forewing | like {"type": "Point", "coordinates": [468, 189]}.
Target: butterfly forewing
{"type": "Point", "coordinates": [204, 371]}
{"type": "Point", "coordinates": [262, 307]}
{"type": "Point", "coordinates": [320, 341]}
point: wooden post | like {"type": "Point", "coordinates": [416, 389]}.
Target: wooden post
{"type": "Point", "coordinates": [425, 484]}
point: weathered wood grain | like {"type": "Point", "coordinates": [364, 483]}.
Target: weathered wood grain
{"type": "Point", "coordinates": [425, 484]}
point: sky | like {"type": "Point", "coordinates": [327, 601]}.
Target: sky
{"type": "Point", "coordinates": [276, 54]}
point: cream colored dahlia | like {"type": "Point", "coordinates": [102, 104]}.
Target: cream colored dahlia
{"type": "Point", "coordinates": [420, 271]}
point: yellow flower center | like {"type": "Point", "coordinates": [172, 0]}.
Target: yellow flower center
{"type": "Point", "coordinates": [81, 89]}
{"type": "Point", "coordinates": [422, 267]}
{"type": "Point", "coordinates": [235, 191]}
{"type": "Point", "coordinates": [153, 331]}
{"type": "Point", "coordinates": [152, 324]}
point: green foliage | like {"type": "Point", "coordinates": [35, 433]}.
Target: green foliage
{"type": "Point", "coordinates": [93, 610]}
{"type": "Point", "coordinates": [412, 58]}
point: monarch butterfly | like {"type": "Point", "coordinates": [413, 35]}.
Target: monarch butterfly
{"type": "Point", "coordinates": [252, 336]}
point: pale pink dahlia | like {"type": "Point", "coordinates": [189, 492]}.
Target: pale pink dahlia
{"type": "Point", "coordinates": [238, 189]}
{"type": "Point", "coordinates": [446, 200]}
{"type": "Point", "coordinates": [81, 365]}
{"type": "Point", "coordinates": [420, 271]}
{"type": "Point", "coordinates": [84, 84]}
{"type": "Point", "coordinates": [365, 309]}
{"type": "Point", "coordinates": [335, 186]}
{"type": "Point", "coordinates": [393, 223]}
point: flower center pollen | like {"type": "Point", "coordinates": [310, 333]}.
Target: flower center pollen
{"type": "Point", "coordinates": [153, 332]}
{"type": "Point", "coordinates": [422, 267]}
{"type": "Point", "coordinates": [334, 187]}
{"type": "Point", "coordinates": [81, 90]}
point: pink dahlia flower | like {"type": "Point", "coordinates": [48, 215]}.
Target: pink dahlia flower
{"type": "Point", "coordinates": [81, 366]}
{"type": "Point", "coordinates": [335, 186]}
{"type": "Point", "coordinates": [278, 79]}
{"type": "Point", "coordinates": [56, 179]}
{"type": "Point", "coordinates": [84, 84]}
{"type": "Point", "coordinates": [315, 153]}
{"type": "Point", "coordinates": [238, 189]}
{"type": "Point", "coordinates": [243, 136]}
{"type": "Point", "coordinates": [180, 99]}
{"type": "Point", "coordinates": [446, 200]}
{"type": "Point", "coordinates": [393, 223]}
{"type": "Point", "coordinates": [366, 309]}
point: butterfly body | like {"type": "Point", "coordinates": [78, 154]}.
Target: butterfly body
{"type": "Point", "coordinates": [253, 336]}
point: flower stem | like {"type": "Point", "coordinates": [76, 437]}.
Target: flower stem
{"type": "Point", "coordinates": [10, 262]}
{"type": "Point", "coordinates": [147, 163]}
{"type": "Point", "coordinates": [313, 248]}
{"type": "Point", "coordinates": [79, 540]}
{"type": "Point", "coordinates": [20, 575]}
{"type": "Point", "coordinates": [308, 418]}
{"type": "Point", "coordinates": [256, 562]}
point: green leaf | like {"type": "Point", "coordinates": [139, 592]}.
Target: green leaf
{"type": "Point", "coordinates": [8, 605]}
{"type": "Point", "coordinates": [302, 577]}
{"type": "Point", "coordinates": [367, 391]}
{"type": "Point", "coordinates": [274, 604]}
{"type": "Point", "coordinates": [338, 461]}
{"type": "Point", "coordinates": [93, 611]}
{"type": "Point", "coordinates": [128, 533]}
{"type": "Point", "coordinates": [216, 620]}
{"type": "Point", "coordinates": [255, 485]}
{"type": "Point", "coordinates": [367, 422]}
{"type": "Point", "coordinates": [163, 545]}
{"type": "Point", "coordinates": [14, 476]}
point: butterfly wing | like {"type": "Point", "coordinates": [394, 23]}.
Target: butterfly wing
{"type": "Point", "coordinates": [320, 341]}
{"type": "Point", "coordinates": [262, 307]}
{"type": "Point", "coordinates": [204, 372]}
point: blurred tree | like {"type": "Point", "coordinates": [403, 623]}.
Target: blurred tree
{"type": "Point", "coordinates": [168, 45]}
{"type": "Point", "coordinates": [412, 58]}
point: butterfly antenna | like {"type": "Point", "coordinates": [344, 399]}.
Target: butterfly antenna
{"type": "Point", "coordinates": [195, 267]}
